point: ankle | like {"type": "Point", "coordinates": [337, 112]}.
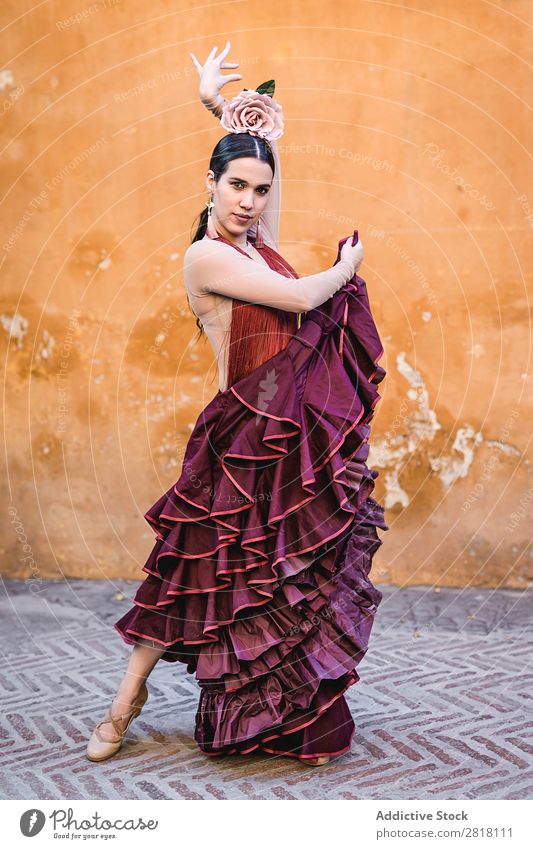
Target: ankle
{"type": "Point", "coordinates": [128, 693]}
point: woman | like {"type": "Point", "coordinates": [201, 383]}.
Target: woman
{"type": "Point", "coordinates": [258, 579]}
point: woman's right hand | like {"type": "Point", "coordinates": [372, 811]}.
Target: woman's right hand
{"type": "Point", "coordinates": [211, 80]}
{"type": "Point", "coordinates": [354, 254]}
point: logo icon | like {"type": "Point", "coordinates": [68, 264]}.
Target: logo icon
{"type": "Point", "coordinates": [32, 822]}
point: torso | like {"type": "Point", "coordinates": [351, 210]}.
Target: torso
{"type": "Point", "coordinates": [211, 301]}
{"type": "Point", "coordinates": [214, 311]}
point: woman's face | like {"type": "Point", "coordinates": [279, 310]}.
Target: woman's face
{"type": "Point", "coordinates": [240, 195]}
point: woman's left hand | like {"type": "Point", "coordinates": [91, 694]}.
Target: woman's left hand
{"type": "Point", "coordinates": [211, 80]}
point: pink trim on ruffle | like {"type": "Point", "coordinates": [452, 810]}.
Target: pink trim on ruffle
{"type": "Point", "coordinates": [247, 547]}
{"type": "Point", "coordinates": [353, 680]}
{"type": "Point", "coordinates": [315, 755]}
{"type": "Point", "coordinates": [162, 642]}
{"type": "Point", "coordinates": [268, 415]}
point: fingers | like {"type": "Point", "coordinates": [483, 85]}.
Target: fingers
{"type": "Point", "coordinates": [225, 51]}
{"type": "Point", "coordinates": [220, 58]}
{"type": "Point", "coordinates": [221, 64]}
{"type": "Point", "coordinates": [228, 78]}
{"type": "Point", "coordinates": [196, 63]}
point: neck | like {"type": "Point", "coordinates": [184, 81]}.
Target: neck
{"type": "Point", "coordinates": [241, 240]}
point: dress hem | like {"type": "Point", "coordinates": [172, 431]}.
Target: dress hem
{"type": "Point", "coordinates": [353, 679]}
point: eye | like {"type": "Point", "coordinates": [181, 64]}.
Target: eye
{"type": "Point", "coordinates": [237, 184]}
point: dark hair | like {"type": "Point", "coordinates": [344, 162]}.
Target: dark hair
{"type": "Point", "coordinates": [231, 146]}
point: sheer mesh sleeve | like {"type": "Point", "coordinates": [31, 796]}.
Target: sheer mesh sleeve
{"type": "Point", "coordinates": [216, 105]}
{"type": "Point", "coordinates": [271, 212]}
{"type": "Point", "coordinates": [212, 266]}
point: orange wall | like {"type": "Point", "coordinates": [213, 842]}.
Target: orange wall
{"type": "Point", "coordinates": [407, 120]}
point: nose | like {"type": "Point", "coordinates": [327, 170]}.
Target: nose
{"type": "Point", "coordinates": [247, 201]}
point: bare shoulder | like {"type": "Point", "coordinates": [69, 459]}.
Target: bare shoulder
{"type": "Point", "coordinates": [196, 250]}
{"type": "Point", "coordinates": [195, 269]}
{"type": "Point", "coordinates": [203, 247]}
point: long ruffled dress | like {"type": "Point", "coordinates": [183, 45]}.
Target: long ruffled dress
{"type": "Point", "coordinates": [258, 579]}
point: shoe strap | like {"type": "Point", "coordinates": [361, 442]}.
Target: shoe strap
{"type": "Point", "coordinates": [114, 722]}
{"type": "Point", "coordinates": [136, 709]}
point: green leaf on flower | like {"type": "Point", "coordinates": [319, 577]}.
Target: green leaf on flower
{"type": "Point", "coordinates": [267, 88]}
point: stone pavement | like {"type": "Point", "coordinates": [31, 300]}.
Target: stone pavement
{"type": "Point", "coordinates": [442, 709]}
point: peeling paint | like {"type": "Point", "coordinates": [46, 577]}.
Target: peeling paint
{"type": "Point", "coordinates": [6, 79]}
{"type": "Point", "coordinates": [476, 351]}
{"type": "Point", "coordinates": [452, 467]}
{"type": "Point", "coordinates": [104, 263]}
{"type": "Point", "coordinates": [46, 350]}
{"type": "Point", "coordinates": [423, 422]}
{"type": "Point", "coordinates": [16, 326]}
{"type": "Point", "coordinates": [510, 450]}
{"type": "Point", "coordinates": [418, 426]}
{"type": "Point", "coordinates": [394, 493]}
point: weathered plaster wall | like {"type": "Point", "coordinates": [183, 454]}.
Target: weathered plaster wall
{"type": "Point", "coordinates": [409, 121]}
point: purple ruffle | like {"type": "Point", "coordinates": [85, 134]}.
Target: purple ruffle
{"type": "Point", "coordinates": [258, 579]}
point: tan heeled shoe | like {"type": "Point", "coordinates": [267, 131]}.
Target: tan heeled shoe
{"type": "Point", "coordinates": [317, 761]}
{"type": "Point", "coordinates": [99, 749]}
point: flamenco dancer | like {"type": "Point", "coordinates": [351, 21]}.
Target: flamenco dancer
{"type": "Point", "coordinates": [258, 579]}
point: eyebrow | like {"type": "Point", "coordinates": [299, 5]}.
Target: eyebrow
{"type": "Point", "coordinates": [259, 185]}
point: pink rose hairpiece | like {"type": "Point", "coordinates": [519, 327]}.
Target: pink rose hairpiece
{"type": "Point", "coordinates": [254, 111]}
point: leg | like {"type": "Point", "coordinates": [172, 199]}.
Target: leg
{"type": "Point", "coordinates": [143, 658]}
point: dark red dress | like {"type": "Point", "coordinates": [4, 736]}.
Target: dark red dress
{"type": "Point", "coordinates": [259, 577]}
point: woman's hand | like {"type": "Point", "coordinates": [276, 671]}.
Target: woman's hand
{"type": "Point", "coordinates": [211, 80]}
{"type": "Point", "coordinates": [355, 254]}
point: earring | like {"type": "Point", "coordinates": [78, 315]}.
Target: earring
{"type": "Point", "coordinates": [211, 229]}
{"type": "Point", "coordinates": [259, 243]}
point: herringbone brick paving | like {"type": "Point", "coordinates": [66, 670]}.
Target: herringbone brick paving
{"type": "Point", "coordinates": [443, 708]}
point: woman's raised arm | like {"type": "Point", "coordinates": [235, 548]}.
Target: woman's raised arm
{"type": "Point", "coordinates": [210, 266]}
